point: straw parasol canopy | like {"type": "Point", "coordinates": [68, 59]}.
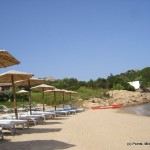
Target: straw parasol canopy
{"type": "Point", "coordinates": [22, 92]}
{"type": "Point", "coordinates": [11, 77]}
{"type": "Point", "coordinates": [17, 75]}
{"type": "Point", "coordinates": [6, 59]}
{"type": "Point", "coordinates": [70, 92]}
{"type": "Point", "coordinates": [43, 87]}
{"type": "Point", "coordinates": [29, 82]}
{"type": "Point", "coordinates": [56, 91]}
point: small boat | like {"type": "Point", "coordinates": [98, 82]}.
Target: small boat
{"type": "Point", "coordinates": [116, 105]}
{"type": "Point", "coordinates": [113, 106]}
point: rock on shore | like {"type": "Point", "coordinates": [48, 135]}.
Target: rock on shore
{"type": "Point", "coordinates": [127, 98]}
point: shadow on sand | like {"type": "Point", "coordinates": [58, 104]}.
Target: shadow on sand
{"type": "Point", "coordinates": [33, 130]}
{"type": "Point", "coordinates": [41, 130]}
{"type": "Point", "coordinates": [49, 123]}
{"type": "Point", "coordinates": [35, 145]}
{"type": "Point", "coordinates": [60, 118]}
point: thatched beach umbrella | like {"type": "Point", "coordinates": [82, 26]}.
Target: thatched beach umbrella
{"type": "Point", "coordinates": [56, 91]}
{"type": "Point", "coordinates": [11, 77]}
{"type": "Point", "coordinates": [29, 82]}
{"type": "Point", "coordinates": [70, 92]}
{"type": "Point", "coordinates": [22, 92]}
{"type": "Point", "coordinates": [6, 59]}
{"type": "Point", "coordinates": [43, 87]}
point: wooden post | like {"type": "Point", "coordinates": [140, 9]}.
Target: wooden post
{"type": "Point", "coordinates": [14, 96]}
{"type": "Point", "coordinates": [43, 99]}
{"type": "Point", "coordinates": [70, 96]}
{"type": "Point", "coordinates": [30, 101]}
{"type": "Point", "coordinates": [63, 96]}
{"type": "Point", "coordinates": [55, 99]}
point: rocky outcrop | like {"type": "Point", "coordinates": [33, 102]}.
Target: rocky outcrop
{"type": "Point", "coordinates": [127, 98]}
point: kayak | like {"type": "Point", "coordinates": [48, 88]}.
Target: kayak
{"type": "Point", "coordinates": [116, 105]}
{"type": "Point", "coordinates": [113, 106]}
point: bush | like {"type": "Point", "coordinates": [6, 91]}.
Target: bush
{"type": "Point", "coordinates": [5, 96]}
{"type": "Point", "coordinates": [118, 86]}
{"type": "Point", "coordinates": [87, 93]}
{"type": "Point", "coordinates": [130, 88]}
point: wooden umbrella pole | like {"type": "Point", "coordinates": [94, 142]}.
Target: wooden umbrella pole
{"type": "Point", "coordinates": [22, 101]}
{"type": "Point", "coordinates": [63, 96]}
{"type": "Point", "coordinates": [43, 99]}
{"type": "Point", "coordinates": [55, 99]}
{"type": "Point", "coordinates": [70, 96]}
{"type": "Point", "coordinates": [14, 96]}
{"type": "Point", "coordinates": [63, 99]}
{"type": "Point", "coordinates": [30, 97]}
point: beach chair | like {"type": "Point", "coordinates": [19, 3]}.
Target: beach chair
{"type": "Point", "coordinates": [59, 112]}
{"type": "Point", "coordinates": [8, 125]}
{"type": "Point", "coordinates": [9, 117]}
{"type": "Point", "coordinates": [70, 111]}
{"type": "Point", "coordinates": [36, 119]}
{"type": "Point", "coordinates": [68, 107]}
{"type": "Point", "coordinates": [46, 115]}
{"type": "Point", "coordinates": [1, 133]}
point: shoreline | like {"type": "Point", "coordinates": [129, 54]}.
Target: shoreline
{"type": "Point", "coordinates": [138, 104]}
{"type": "Point", "coordinates": [140, 110]}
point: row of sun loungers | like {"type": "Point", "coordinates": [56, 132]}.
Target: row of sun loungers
{"type": "Point", "coordinates": [67, 110]}
{"type": "Point", "coordinates": [8, 121]}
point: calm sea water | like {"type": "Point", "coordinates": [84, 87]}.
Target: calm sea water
{"type": "Point", "coordinates": [143, 110]}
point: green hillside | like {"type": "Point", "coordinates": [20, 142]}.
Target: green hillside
{"type": "Point", "coordinates": [86, 89]}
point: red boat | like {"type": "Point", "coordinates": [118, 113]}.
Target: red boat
{"type": "Point", "coordinates": [116, 105]}
{"type": "Point", "coordinates": [113, 106]}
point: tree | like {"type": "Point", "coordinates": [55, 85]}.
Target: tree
{"type": "Point", "coordinates": [110, 81]}
{"type": "Point", "coordinates": [145, 73]}
{"type": "Point", "coordinates": [91, 84]}
{"type": "Point", "coordinates": [82, 84]}
{"type": "Point", "coordinates": [101, 83]}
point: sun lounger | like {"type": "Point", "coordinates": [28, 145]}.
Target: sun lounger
{"type": "Point", "coordinates": [71, 111]}
{"type": "Point", "coordinates": [1, 133]}
{"type": "Point", "coordinates": [59, 112]}
{"type": "Point", "coordinates": [21, 109]}
{"type": "Point", "coordinates": [23, 117]}
{"type": "Point", "coordinates": [46, 115]}
{"type": "Point", "coordinates": [36, 119]}
{"type": "Point", "coordinates": [68, 111]}
{"type": "Point", "coordinates": [68, 107]}
{"type": "Point", "coordinates": [23, 123]}
{"type": "Point", "coordinates": [8, 125]}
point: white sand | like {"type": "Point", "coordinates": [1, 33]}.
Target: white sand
{"type": "Point", "coordinates": [90, 130]}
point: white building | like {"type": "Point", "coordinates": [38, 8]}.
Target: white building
{"type": "Point", "coordinates": [135, 84]}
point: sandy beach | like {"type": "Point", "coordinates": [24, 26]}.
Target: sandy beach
{"type": "Point", "coordinates": [89, 130]}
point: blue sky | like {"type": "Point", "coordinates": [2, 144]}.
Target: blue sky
{"type": "Point", "coordinates": [83, 39]}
